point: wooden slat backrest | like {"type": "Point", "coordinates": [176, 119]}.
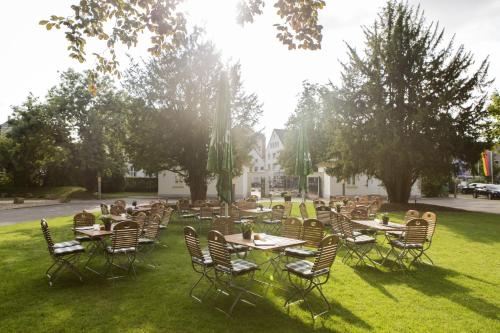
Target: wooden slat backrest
{"type": "Point", "coordinates": [288, 209]}
{"type": "Point", "coordinates": [125, 235]}
{"type": "Point", "coordinates": [350, 205]}
{"type": "Point", "coordinates": [183, 204]}
{"type": "Point", "coordinates": [224, 225]}
{"type": "Point", "coordinates": [152, 228]}
{"type": "Point", "coordinates": [277, 212]}
{"type": "Point", "coordinates": [431, 218]}
{"type": "Point", "coordinates": [167, 214]}
{"type": "Point", "coordinates": [46, 234]}
{"type": "Point", "coordinates": [318, 202]}
{"type": "Point", "coordinates": [312, 232]}
{"type": "Point", "coordinates": [104, 209]}
{"type": "Point", "coordinates": [336, 223]}
{"type": "Point", "coordinates": [234, 212]}
{"type": "Point", "coordinates": [416, 231]}
{"type": "Point", "coordinates": [157, 208]}
{"type": "Point", "coordinates": [193, 243]}
{"type": "Point", "coordinates": [347, 226]}
{"type": "Point", "coordinates": [141, 219]}
{"type": "Point", "coordinates": [206, 211]}
{"type": "Point", "coordinates": [117, 210]}
{"type": "Point", "coordinates": [303, 211]}
{"type": "Point", "coordinates": [324, 214]}
{"type": "Point", "coordinates": [326, 253]}
{"type": "Point", "coordinates": [83, 219]}
{"type": "Point", "coordinates": [360, 213]}
{"type": "Point", "coordinates": [198, 203]}
{"type": "Point", "coordinates": [291, 228]}
{"type": "Point", "coordinates": [411, 214]}
{"type": "Point", "coordinates": [121, 202]}
{"type": "Point", "coordinates": [217, 247]}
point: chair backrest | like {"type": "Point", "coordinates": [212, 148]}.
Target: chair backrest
{"type": "Point", "coordinates": [347, 226]}
{"type": "Point", "coordinates": [140, 218]}
{"type": "Point", "coordinates": [411, 214]}
{"type": "Point", "coordinates": [336, 223]}
{"type": "Point", "coordinates": [120, 202]}
{"type": "Point", "coordinates": [431, 218]}
{"type": "Point", "coordinates": [193, 243]}
{"type": "Point", "coordinates": [224, 225]}
{"type": "Point", "coordinates": [326, 253]}
{"type": "Point", "coordinates": [152, 228]}
{"type": "Point", "coordinates": [312, 232]}
{"type": "Point", "coordinates": [157, 208]}
{"type": "Point", "coordinates": [359, 213]}
{"type": "Point", "coordinates": [318, 202]}
{"type": "Point", "coordinates": [83, 219]}
{"type": "Point", "coordinates": [218, 250]}
{"type": "Point", "coordinates": [324, 214]}
{"type": "Point", "coordinates": [416, 231]}
{"type": "Point", "coordinates": [288, 209]}
{"type": "Point", "coordinates": [291, 228]}
{"type": "Point", "coordinates": [104, 209]}
{"type": "Point", "coordinates": [183, 204]}
{"type": "Point", "coordinates": [206, 211]}
{"type": "Point", "coordinates": [214, 203]}
{"type": "Point", "coordinates": [117, 210]}
{"type": "Point", "coordinates": [198, 203]}
{"type": "Point", "coordinates": [303, 211]}
{"type": "Point", "coordinates": [277, 212]}
{"type": "Point", "coordinates": [47, 236]}
{"type": "Point", "coordinates": [167, 214]}
{"type": "Point", "coordinates": [125, 235]}
{"type": "Point", "coordinates": [234, 212]}
{"type": "Point", "coordinates": [350, 205]}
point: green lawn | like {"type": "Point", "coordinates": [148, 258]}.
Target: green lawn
{"type": "Point", "coordinates": [460, 294]}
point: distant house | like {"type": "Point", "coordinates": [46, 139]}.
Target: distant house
{"type": "Point", "coordinates": [132, 172]}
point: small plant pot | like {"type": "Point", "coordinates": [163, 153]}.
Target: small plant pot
{"type": "Point", "coordinates": [338, 209]}
{"type": "Point", "coordinates": [247, 234]}
{"type": "Point", "coordinates": [385, 220]}
{"type": "Point", "coordinates": [287, 198]}
{"type": "Point", "coordinates": [107, 224]}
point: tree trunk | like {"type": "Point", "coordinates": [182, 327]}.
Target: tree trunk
{"type": "Point", "coordinates": [197, 186]}
{"type": "Point", "coordinates": [399, 188]}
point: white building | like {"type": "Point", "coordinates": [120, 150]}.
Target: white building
{"type": "Point", "coordinates": [133, 173]}
{"type": "Point", "coordinates": [171, 185]}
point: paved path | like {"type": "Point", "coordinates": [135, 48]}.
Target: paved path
{"type": "Point", "coordinates": [13, 216]}
{"type": "Point", "coordinates": [466, 202]}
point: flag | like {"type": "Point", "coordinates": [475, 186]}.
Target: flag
{"type": "Point", "coordinates": [220, 152]}
{"type": "Point", "coordinates": [486, 157]}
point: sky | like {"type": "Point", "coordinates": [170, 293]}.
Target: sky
{"type": "Point", "coordinates": [31, 58]}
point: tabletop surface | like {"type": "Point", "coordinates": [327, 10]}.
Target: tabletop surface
{"type": "Point", "coordinates": [93, 232]}
{"type": "Point", "coordinates": [257, 210]}
{"type": "Point", "coordinates": [376, 224]}
{"type": "Point", "coordinates": [199, 208]}
{"type": "Point", "coordinates": [117, 218]}
{"type": "Point", "coordinates": [279, 242]}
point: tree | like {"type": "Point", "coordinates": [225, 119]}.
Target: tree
{"type": "Point", "coordinates": [315, 106]}
{"type": "Point", "coordinates": [176, 99]}
{"type": "Point", "coordinates": [118, 22]}
{"type": "Point", "coordinates": [494, 111]}
{"type": "Point", "coordinates": [408, 106]}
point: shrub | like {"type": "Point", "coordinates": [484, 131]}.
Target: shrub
{"type": "Point", "coordinates": [141, 184]}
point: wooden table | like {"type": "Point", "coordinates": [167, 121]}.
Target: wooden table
{"type": "Point", "coordinates": [379, 226]}
{"type": "Point", "coordinates": [116, 218]}
{"type": "Point", "coordinates": [99, 244]}
{"type": "Point", "coordinates": [198, 209]}
{"type": "Point", "coordinates": [257, 211]}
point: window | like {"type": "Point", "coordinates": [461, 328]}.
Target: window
{"type": "Point", "coordinates": [178, 180]}
{"type": "Point", "coordinates": [262, 168]}
{"type": "Point", "coordinates": [351, 180]}
{"type": "Point", "coordinates": [256, 169]}
{"type": "Point", "coordinates": [274, 155]}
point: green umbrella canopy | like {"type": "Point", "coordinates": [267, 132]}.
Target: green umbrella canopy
{"type": "Point", "coordinates": [220, 151]}
{"type": "Point", "coordinates": [303, 163]}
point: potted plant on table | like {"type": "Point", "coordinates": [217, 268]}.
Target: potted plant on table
{"type": "Point", "coordinates": [385, 218]}
{"type": "Point", "coordinates": [246, 229]}
{"type": "Point", "coordinates": [338, 207]}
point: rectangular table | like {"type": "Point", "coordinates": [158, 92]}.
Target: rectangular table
{"type": "Point", "coordinates": [377, 225]}
{"type": "Point", "coordinates": [280, 242]}
{"type": "Point", "coordinates": [257, 211]}
{"type": "Point", "coordinates": [99, 244]}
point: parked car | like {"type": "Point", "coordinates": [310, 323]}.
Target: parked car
{"type": "Point", "coordinates": [490, 191]}
{"type": "Point", "coordinates": [469, 188]}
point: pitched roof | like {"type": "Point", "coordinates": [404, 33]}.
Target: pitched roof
{"type": "Point", "coordinates": [281, 133]}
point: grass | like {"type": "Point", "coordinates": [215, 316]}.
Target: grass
{"type": "Point", "coordinates": [461, 293]}
{"type": "Point", "coordinates": [58, 192]}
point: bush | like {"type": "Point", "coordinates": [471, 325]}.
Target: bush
{"type": "Point", "coordinates": [141, 184]}
{"type": "Point", "coordinates": [435, 186]}
{"type": "Point", "coordinates": [114, 183]}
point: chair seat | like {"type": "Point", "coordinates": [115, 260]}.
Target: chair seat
{"type": "Point", "coordinates": [236, 248]}
{"type": "Point", "coordinates": [188, 216]}
{"type": "Point", "coordinates": [240, 267]}
{"type": "Point", "coordinates": [299, 252]}
{"type": "Point", "coordinates": [146, 241]}
{"type": "Point", "coordinates": [83, 239]}
{"type": "Point", "coordinates": [401, 244]}
{"type": "Point", "coordinates": [205, 218]}
{"type": "Point", "coordinates": [110, 250]}
{"type": "Point", "coordinates": [271, 221]}
{"type": "Point", "coordinates": [62, 251]}
{"type": "Point", "coordinates": [162, 226]}
{"type": "Point", "coordinates": [66, 244]}
{"type": "Point", "coordinates": [303, 268]}
{"type": "Point", "coordinates": [206, 261]}
{"type": "Point", "coordinates": [361, 239]}
{"type": "Point", "coordinates": [247, 217]}
{"type": "Point", "coordinates": [395, 233]}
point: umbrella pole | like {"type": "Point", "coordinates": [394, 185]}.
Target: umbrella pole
{"type": "Point", "coordinates": [226, 209]}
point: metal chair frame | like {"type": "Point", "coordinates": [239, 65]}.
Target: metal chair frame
{"type": "Point", "coordinates": [199, 262]}
{"type": "Point", "coordinates": [303, 211]}
{"type": "Point", "coordinates": [124, 242]}
{"type": "Point", "coordinates": [431, 218]}
{"type": "Point", "coordinates": [60, 261]}
{"type": "Point", "coordinates": [206, 215]}
{"type": "Point", "coordinates": [355, 249]}
{"type": "Point", "coordinates": [273, 225]}
{"type": "Point", "coordinates": [319, 276]}
{"type": "Point", "coordinates": [149, 239]}
{"type": "Point", "coordinates": [227, 280]}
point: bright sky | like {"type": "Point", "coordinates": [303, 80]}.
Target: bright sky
{"type": "Point", "coordinates": [31, 57]}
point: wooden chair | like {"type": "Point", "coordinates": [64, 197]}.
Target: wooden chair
{"type": "Point", "coordinates": [229, 273]}
{"type": "Point", "coordinates": [288, 209]}
{"type": "Point", "coordinates": [200, 260]}
{"type": "Point", "coordinates": [324, 214]}
{"type": "Point", "coordinates": [318, 202]}
{"type": "Point", "coordinates": [312, 233]}
{"type": "Point", "coordinates": [273, 224]}
{"type": "Point", "coordinates": [104, 209]}
{"type": "Point", "coordinates": [165, 220]}
{"type": "Point", "coordinates": [198, 203]}
{"type": "Point", "coordinates": [183, 206]}
{"type": "Point", "coordinates": [303, 211]}
{"type": "Point", "coordinates": [149, 238]}
{"type": "Point", "coordinates": [141, 219]}
{"type": "Point", "coordinates": [314, 274]}
{"type": "Point", "coordinates": [411, 214]}
{"type": "Point", "coordinates": [124, 242]}
{"type": "Point", "coordinates": [206, 215]}
{"type": "Point", "coordinates": [291, 228]}
{"type": "Point", "coordinates": [225, 225]}
{"type": "Point", "coordinates": [358, 245]}
{"type": "Point", "coordinates": [431, 218]}
{"type": "Point", "coordinates": [83, 219]}
{"type": "Point", "coordinates": [121, 202]}
{"type": "Point", "coordinates": [64, 255]}
{"type": "Point", "coordinates": [411, 244]}
{"type": "Point", "coordinates": [117, 210]}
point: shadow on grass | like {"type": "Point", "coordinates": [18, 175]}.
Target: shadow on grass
{"type": "Point", "coordinates": [439, 285]}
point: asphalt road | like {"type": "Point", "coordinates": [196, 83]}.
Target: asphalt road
{"type": "Point", "coordinates": [466, 202]}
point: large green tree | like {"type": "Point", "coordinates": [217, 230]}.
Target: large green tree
{"type": "Point", "coordinates": [176, 100]}
{"type": "Point", "coordinates": [121, 22]}
{"type": "Point", "coordinates": [494, 111]}
{"type": "Point", "coordinates": [409, 103]}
